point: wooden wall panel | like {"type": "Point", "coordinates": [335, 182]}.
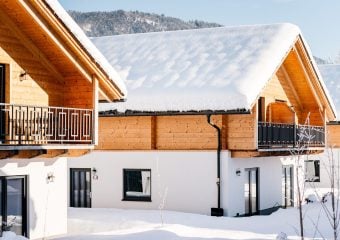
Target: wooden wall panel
{"type": "Point", "coordinates": [124, 133]}
{"type": "Point", "coordinates": [39, 86]}
{"type": "Point", "coordinates": [176, 132]}
{"type": "Point", "coordinates": [240, 131]}
{"type": "Point", "coordinates": [333, 135]}
{"type": "Point", "coordinates": [78, 93]}
{"type": "Point", "coordinates": [186, 132]}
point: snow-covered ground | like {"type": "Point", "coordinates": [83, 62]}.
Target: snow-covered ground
{"type": "Point", "coordinates": [107, 224]}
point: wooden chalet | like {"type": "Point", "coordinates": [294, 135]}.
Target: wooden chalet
{"type": "Point", "coordinates": [259, 84]}
{"type": "Point", "coordinates": [51, 77]}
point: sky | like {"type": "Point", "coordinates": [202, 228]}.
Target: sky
{"type": "Point", "coordinates": [319, 20]}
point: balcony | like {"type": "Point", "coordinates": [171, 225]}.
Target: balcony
{"type": "Point", "coordinates": [35, 127]}
{"type": "Point", "coordinates": [289, 136]}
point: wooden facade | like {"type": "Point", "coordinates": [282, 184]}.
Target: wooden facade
{"type": "Point", "coordinates": [292, 96]}
{"type": "Point", "coordinates": [51, 81]}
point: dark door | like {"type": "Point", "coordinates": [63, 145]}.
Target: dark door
{"type": "Point", "coordinates": [80, 189]}
{"type": "Point", "coordinates": [251, 192]}
{"type": "Point", "coordinates": [2, 100]}
{"type": "Point", "coordinates": [13, 202]}
{"type": "Point", "coordinates": [287, 186]}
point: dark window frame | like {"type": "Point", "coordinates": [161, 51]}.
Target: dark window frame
{"type": "Point", "coordinates": [135, 198]}
{"type": "Point", "coordinates": [25, 203]}
{"type": "Point", "coordinates": [317, 176]}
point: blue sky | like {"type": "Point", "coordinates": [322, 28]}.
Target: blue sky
{"type": "Point", "coordinates": [319, 20]}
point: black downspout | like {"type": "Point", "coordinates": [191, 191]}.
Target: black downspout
{"type": "Point", "coordinates": [217, 211]}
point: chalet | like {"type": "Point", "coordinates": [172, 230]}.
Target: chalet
{"type": "Point", "coordinates": [51, 78]}
{"type": "Point", "coordinates": [210, 122]}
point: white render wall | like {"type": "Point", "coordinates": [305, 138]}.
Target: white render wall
{"type": "Point", "coordinates": [270, 182]}
{"type": "Point", "coordinates": [47, 201]}
{"type": "Point", "coordinates": [325, 167]}
{"type": "Point", "coordinates": [189, 176]}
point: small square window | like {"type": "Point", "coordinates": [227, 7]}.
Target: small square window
{"type": "Point", "coordinates": [137, 185]}
{"type": "Point", "coordinates": [312, 171]}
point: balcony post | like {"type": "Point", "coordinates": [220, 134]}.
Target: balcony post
{"type": "Point", "coordinates": [95, 101]}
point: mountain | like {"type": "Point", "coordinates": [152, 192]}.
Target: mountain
{"type": "Point", "coordinates": [96, 24]}
{"type": "Point", "coordinates": [320, 61]}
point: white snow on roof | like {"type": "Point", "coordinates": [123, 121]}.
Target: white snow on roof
{"type": "Point", "coordinates": [204, 69]}
{"type": "Point", "coordinates": [87, 44]}
{"type": "Point", "coordinates": [331, 75]}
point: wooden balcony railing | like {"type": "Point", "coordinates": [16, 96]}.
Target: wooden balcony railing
{"type": "Point", "coordinates": [277, 135]}
{"type": "Point", "coordinates": [34, 125]}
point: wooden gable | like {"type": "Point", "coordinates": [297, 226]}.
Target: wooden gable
{"type": "Point", "coordinates": [48, 39]}
{"type": "Point", "coordinates": [296, 85]}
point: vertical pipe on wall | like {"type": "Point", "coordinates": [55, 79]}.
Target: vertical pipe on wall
{"type": "Point", "coordinates": [217, 211]}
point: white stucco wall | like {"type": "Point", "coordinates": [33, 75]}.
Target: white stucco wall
{"type": "Point", "coordinates": [326, 158]}
{"type": "Point", "coordinates": [189, 176]}
{"type": "Point", "coordinates": [47, 201]}
{"type": "Point", "coordinates": [270, 182]}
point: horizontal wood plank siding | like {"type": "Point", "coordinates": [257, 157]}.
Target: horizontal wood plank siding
{"type": "Point", "coordinates": [333, 135]}
{"type": "Point", "coordinates": [176, 132]}
{"type": "Point", "coordinates": [39, 86]}
{"type": "Point", "coordinates": [240, 131]}
{"type": "Point", "coordinates": [124, 133]}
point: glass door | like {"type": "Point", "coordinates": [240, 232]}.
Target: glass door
{"type": "Point", "coordinates": [13, 202]}
{"type": "Point", "coordinates": [80, 187]}
{"type": "Point", "coordinates": [287, 186]}
{"type": "Point", "coordinates": [251, 191]}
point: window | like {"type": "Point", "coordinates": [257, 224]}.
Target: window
{"type": "Point", "coordinates": [312, 171]}
{"type": "Point", "coordinates": [137, 184]}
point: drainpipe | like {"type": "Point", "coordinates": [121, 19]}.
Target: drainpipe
{"type": "Point", "coordinates": [217, 211]}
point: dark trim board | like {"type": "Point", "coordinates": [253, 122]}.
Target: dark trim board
{"type": "Point", "coordinates": [129, 113]}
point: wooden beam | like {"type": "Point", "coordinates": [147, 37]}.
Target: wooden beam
{"type": "Point", "coordinates": [309, 81]}
{"type": "Point", "coordinates": [291, 86]}
{"type": "Point", "coordinates": [38, 19]}
{"type": "Point", "coordinates": [111, 88]}
{"type": "Point", "coordinates": [95, 102]}
{"type": "Point", "coordinates": [30, 46]}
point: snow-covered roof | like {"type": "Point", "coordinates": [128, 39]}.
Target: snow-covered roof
{"type": "Point", "coordinates": [218, 69]}
{"type": "Point", "coordinates": [331, 75]}
{"type": "Point", "coordinates": [87, 44]}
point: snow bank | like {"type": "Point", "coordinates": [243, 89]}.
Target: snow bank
{"type": "Point", "coordinates": [203, 69]}
{"type": "Point", "coordinates": [107, 224]}
{"type": "Point", "coordinates": [11, 236]}
{"type": "Point", "coordinates": [331, 75]}
{"type": "Point", "coordinates": [86, 43]}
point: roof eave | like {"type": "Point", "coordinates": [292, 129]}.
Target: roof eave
{"type": "Point", "coordinates": [111, 90]}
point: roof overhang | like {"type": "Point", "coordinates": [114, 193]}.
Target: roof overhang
{"type": "Point", "coordinates": [56, 30]}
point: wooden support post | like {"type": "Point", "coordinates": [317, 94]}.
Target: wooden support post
{"type": "Point", "coordinates": [95, 100]}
